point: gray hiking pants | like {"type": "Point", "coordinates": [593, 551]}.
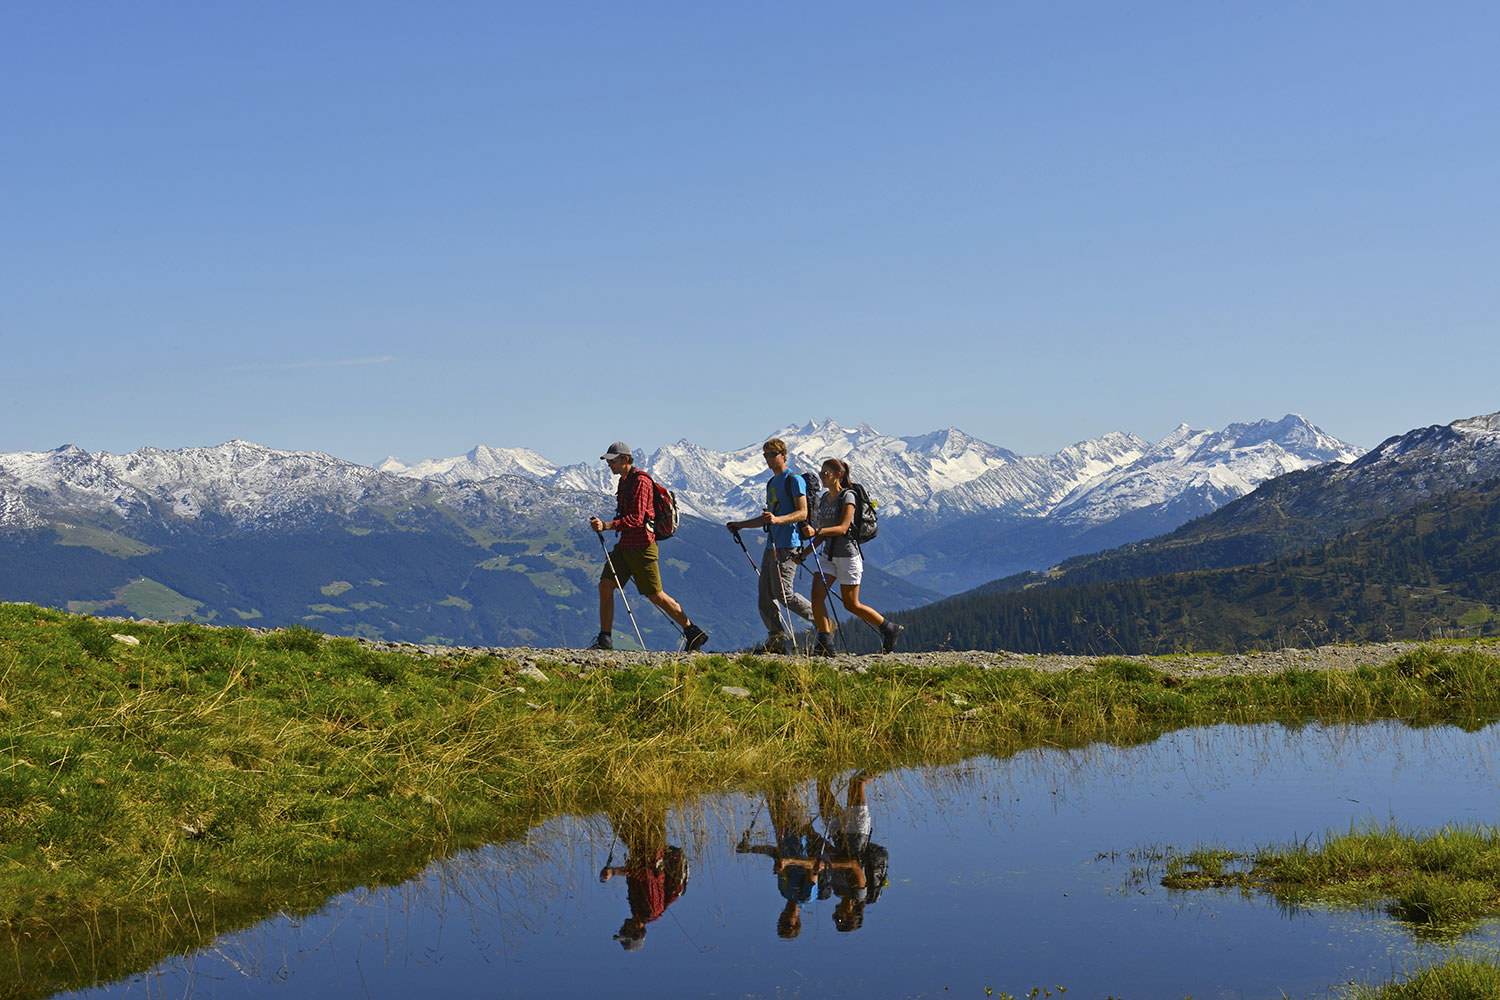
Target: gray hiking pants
{"type": "Point", "coordinates": [776, 582]}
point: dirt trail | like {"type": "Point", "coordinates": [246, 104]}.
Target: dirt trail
{"type": "Point", "coordinates": [1322, 658]}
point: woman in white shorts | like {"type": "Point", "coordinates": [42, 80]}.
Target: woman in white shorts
{"type": "Point", "coordinates": [842, 561]}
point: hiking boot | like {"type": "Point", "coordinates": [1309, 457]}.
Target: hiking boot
{"type": "Point", "coordinates": [775, 645]}
{"type": "Point", "coordinates": [695, 637]}
{"type": "Point", "coordinates": [888, 632]}
{"type": "Point", "coordinates": [823, 647]}
{"type": "Point", "coordinates": [603, 640]}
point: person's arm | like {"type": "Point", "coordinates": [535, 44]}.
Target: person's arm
{"type": "Point", "coordinates": [640, 507]}
{"type": "Point", "coordinates": [744, 847]}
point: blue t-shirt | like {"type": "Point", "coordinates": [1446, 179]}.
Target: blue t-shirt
{"type": "Point", "coordinates": [781, 499]}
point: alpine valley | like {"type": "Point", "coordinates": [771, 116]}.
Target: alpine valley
{"type": "Point", "coordinates": [492, 548]}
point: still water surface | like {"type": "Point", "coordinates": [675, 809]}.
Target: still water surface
{"type": "Point", "coordinates": [997, 874]}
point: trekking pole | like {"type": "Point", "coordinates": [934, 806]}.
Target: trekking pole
{"type": "Point", "coordinates": [784, 620]}
{"type": "Point", "coordinates": [781, 586]}
{"type": "Point", "coordinates": [610, 861]}
{"type": "Point", "coordinates": [680, 630]}
{"type": "Point", "coordinates": [741, 542]}
{"type": "Point", "coordinates": [610, 563]}
{"type": "Point", "coordinates": [828, 597]}
{"type": "Point", "coordinates": [746, 838]}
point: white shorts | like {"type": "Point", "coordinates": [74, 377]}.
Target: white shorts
{"type": "Point", "coordinates": [846, 571]}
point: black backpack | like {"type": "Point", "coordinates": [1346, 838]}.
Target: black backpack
{"type": "Point", "coordinates": [865, 519]}
{"type": "Point", "coordinates": [877, 865]}
{"type": "Point", "coordinates": [812, 487]}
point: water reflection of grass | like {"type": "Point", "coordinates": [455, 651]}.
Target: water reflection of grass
{"type": "Point", "coordinates": [1438, 883]}
{"type": "Point", "coordinates": [1455, 979]}
{"type": "Point", "coordinates": [154, 795]}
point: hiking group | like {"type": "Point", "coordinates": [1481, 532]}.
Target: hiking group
{"type": "Point", "coordinates": [842, 518]}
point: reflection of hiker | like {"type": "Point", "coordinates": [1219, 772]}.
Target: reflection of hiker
{"type": "Point", "coordinates": [656, 873]}
{"type": "Point", "coordinates": [856, 869]}
{"type": "Point", "coordinates": [844, 562]}
{"type": "Point", "coordinates": [786, 507]}
{"type": "Point", "coordinates": [794, 855]}
{"type": "Point", "coordinates": [634, 554]}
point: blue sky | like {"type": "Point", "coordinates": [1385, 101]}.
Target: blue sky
{"type": "Point", "coordinates": [400, 228]}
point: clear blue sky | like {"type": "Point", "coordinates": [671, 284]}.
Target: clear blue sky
{"type": "Point", "coordinates": [397, 228]}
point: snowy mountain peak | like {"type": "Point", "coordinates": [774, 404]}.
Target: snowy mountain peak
{"type": "Point", "coordinates": [478, 463]}
{"type": "Point", "coordinates": [1481, 427]}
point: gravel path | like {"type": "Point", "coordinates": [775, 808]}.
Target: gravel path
{"type": "Point", "coordinates": [583, 660]}
{"type": "Point", "coordinates": [1322, 658]}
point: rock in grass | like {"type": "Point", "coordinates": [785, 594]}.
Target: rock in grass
{"type": "Point", "coordinates": [735, 692]}
{"type": "Point", "coordinates": [531, 672]}
{"type": "Point", "coordinates": [128, 640]}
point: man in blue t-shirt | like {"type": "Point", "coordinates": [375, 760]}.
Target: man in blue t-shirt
{"type": "Point", "coordinates": [786, 507]}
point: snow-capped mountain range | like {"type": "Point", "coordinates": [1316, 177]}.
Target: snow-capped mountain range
{"type": "Point", "coordinates": [245, 484]}
{"type": "Point", "coordinates": [924, 484]}
{"type": "Point", "coordinates": [1395, 475]}
{"type": "Point", "coordinates": [948, 474]}
{"type": "Point", "coordinates": [941, 475]}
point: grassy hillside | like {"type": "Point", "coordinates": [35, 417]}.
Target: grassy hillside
{"type": "Point", "coordinates": [427, 575]}
{"type": "Point", "coordinates": [1429, 572]}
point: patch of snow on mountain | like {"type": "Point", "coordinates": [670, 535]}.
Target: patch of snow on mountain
{"type": "Point", "coordinates": [16, 514]}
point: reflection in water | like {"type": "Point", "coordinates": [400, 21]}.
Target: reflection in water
{"type": "Point", "coordinates": [989, 855]}
{"type": "Point", "coordinates": [841, 861]}
{"type": "Point", "coordinates": [656, 872]}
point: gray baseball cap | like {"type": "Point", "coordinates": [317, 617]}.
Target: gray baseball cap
{"type": "Point", "coordinates": [617, 450]}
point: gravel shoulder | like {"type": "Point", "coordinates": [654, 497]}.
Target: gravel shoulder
{"type": "Point", "coordinates": [1208, 664]}
{"type": "Point", "coordinates": [1338, 657]}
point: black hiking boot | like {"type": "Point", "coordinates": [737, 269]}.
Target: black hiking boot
{"type": "Point", "coordinates": [603, 640]}
{"type": "Point", "coordinates": [695, 637]}
{"type": "Point", "coordinates": [888, 632]}
{"type": "Point", "coordinates": [824, 646]}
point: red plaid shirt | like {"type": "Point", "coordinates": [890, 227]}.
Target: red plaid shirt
{"type": "Point", "coordinates": [634, 506]}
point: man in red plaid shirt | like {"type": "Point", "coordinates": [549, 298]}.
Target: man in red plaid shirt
{"type": "Point", "coordinates": [634, 554]}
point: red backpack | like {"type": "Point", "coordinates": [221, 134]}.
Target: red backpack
{"type": "Point", "coordinates": [664, 516]}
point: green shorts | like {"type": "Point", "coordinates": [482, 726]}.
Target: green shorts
{"type": "Point", "coordinates": [639, 564]}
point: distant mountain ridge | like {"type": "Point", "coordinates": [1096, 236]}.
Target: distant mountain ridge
{"type": "Point", "coordinates": [983, 494]}
{"type": "Point", "coordinates": [1304, 508]}
{"type": "Point", "coordinates": [237, 482]}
